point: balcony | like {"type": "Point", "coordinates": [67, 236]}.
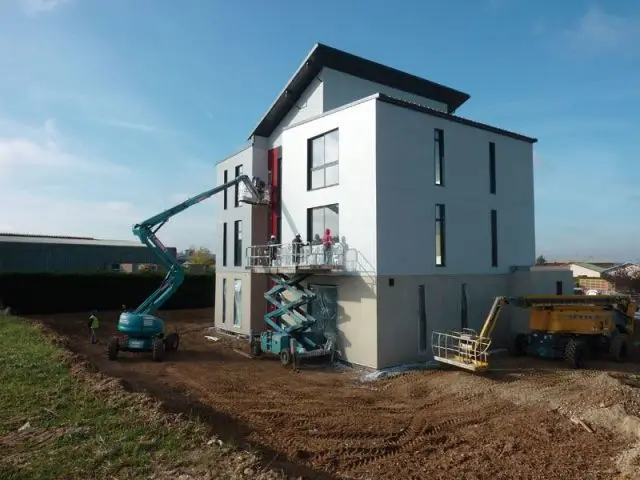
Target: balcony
{"type": "Point", "coordinates": [307, 258]}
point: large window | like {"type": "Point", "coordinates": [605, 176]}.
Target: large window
{"type": "Point", "coordinates": [438, 155]}
{"type": "Point", "coordinates": [323, 155]}
{"type": "Point", "coordinates": [224, 300]}
{"type": "Point", "coordinates": [422, 320]}
{"type": "Point", "coordinates": [237, 243]}
{"type": "Point", "coordinates": [225, 180]}
{"type": "Point", "coordinates": [237, 303]}
{"type": "Point", "coordinates": [492, 167]}
{"type": "Point", "coordinates": [321, 218]}
{"type": "Point", "coordinates": [494, 238]}
{"type": "Point", "coordinates": [224, 244]}
{"type": "Point", "coordinates": [441, 254]}
{"type": "Point", "coordinates": [237, 187]}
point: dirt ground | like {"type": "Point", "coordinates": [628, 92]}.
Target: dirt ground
{"type": "Point", "coordinates": [323, 423]}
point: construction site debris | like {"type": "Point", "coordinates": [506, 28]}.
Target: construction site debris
{"type": "Point", "coordinates": [323, 423]}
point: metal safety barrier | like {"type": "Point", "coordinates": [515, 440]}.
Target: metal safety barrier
{"type": "Point", "coordinates": [465, 349]}
{"type": "Point", "coordinates": [288, 256]}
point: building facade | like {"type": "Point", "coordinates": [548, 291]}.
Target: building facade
{"type": "Point", "coordinates": [426, 208]}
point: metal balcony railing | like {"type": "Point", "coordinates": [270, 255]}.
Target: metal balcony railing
{"type": "Point", "coordinates": [288, 256]}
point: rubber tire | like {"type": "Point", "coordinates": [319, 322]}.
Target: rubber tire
{"type": "Point", "coordinates": [157, 350]}
{"type": "Point", "coordinates": [256, 349]}
{"type": "Point", "coordinates": [285, 357]}
{"type": "Point", "coordinates": [575, 353]}
{"type": "Point", "coordinates": [619, 348]}
{"type": "Point", "coordinates": [519, 343]}
{"type": "Point", "coordinates": [112, 348]}
{"type": "Point", "coordinates": [172, 342]}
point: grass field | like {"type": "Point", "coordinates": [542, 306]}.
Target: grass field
{"type": "Point", "coordinates": [59, 421]}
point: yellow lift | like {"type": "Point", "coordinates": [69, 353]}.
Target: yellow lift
{"type": "Point", "coordinates": [569, 327]}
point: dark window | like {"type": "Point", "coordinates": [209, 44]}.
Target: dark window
{"type": "Point", "coordinates": [492, 167]}
{"type": "Point", "coordinates": [494, 238]}
{"type": "Point", "coordinates": [422, 319]}
{"type": "Point", "coordinates": [237, 243]}
{"type": "Point", "coordinates": [321, 218]}
{"type": "Point", "coordinates": [237, 193]}
{"type": "Point", "coordinates": [323, 154]}
{"type": "Point", "coordinates": [438, 155]}
{"type": "Point", "coordinates": [392, 282]}
{"type": "Point", "coordinates": [558, 288]}
{"type": "Point", "coordinates": [440, 236]}
{"type": "Point", "coordinates": [224, 244]}
{"type": "Point", "coordinates": [225, 180]}
{"type": "Point", "coordinates": [224, 300]}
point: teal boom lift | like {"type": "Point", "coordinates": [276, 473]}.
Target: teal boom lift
{"type": "Point", "coordinates": [141, 330]}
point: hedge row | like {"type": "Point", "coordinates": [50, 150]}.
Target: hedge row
{"type": "Point", "coordinates": [44, 293]}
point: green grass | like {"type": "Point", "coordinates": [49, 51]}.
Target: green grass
{"type": "Point", "coordinates": [79, 427]}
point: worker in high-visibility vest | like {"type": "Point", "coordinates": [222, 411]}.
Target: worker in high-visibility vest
{"type": "Point", "coordinates": [93, 325]}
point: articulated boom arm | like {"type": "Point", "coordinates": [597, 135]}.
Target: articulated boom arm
{"type": "Point", "coordinates": [146, 232]}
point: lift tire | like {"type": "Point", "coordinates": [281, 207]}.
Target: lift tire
{"type": "Point", "coordinates": [575, 353]}
{"type": "Point", "coordinates": [285, 357]}
{"type": "Point", "coordinates": [519, 345]}
{"type": "Point", "coordinates": [256, 350]}
{"type": "Point", "coordinates": [619, 347]}
{"type": "Point", "coordinates": [112, 348]}
{"type": "Point", "coordinates": [157, 350]}
{"type": "Point", "coordinates": [172, 342]}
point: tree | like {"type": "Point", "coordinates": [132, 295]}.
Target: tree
{"type": "Point", "coordinates": [541, 260]}
{"type": "Point", "coordinates": [201, 256]}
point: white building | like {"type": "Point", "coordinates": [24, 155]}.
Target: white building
{"type": "Point", "coordinates": [425, 205]}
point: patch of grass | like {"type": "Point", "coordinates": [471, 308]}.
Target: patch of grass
{"type": "Point", "coordinates": [57, 424]}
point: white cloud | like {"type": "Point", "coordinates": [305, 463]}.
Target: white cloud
{"type": "Point", "coordinates": [598, 32]}
{"type": "Point", "coordinates": [35, 7]}
{"type": "Point", "coordinates": [142, 127]}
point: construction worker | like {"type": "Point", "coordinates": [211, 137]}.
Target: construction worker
{"type": "Point", "coordinates": [93, 325]}
{"type": "Point", "coordinates": [273, 249]}
{"type": "Point", "coordinates": [327, 242]}
{"type": "Point", "coordinates": [297, 248]}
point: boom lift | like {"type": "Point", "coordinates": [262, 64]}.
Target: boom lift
{"type": "Point", "coordinates": [569, 327]}
{"type": "Point", "coordinates": [141, 330]}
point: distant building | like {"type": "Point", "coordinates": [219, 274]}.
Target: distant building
{"type": "Point", "coordinates": [42, 253]}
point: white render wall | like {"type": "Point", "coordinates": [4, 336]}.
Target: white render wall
{"type": "Point", "coordinates": [332, 89]}
{"type": "Point", "coordinates": [407, 196]}
{"type": "Point", "coordinates": [233, 213]}
{"type": "Point", "coordinates": [341, 89]}
{"type": "Point", "coordinates": [356, 191]}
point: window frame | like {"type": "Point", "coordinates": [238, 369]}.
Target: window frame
{"type": "Point", "coordinates": [494, 238]}
{"type": "Point", "coordinates": [438, 157]}
{"type": "Point", "coordinates": [225, 179]}
{"type": "Point", "coordinates": [440, 221]}
{"type": "Point", "coordinates": [492, 168]}
{"type": "Point", "coordinates": [310, 211]}
{"type": "Point", "coordinates": [334, 163]}
{"type": "Point", "coordinates": [224, 301]}
{"type": "Point", "coordinates": [238, 172]}
{"type": "Point", "coordinates": [225, 245]}
{"type": "Point", "coordinates": [237, 243]}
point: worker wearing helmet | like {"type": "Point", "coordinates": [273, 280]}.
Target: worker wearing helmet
{"type": "Point", "coordinates": [93, 325]}
{"type": "Point", "coordinates": [273, 249]}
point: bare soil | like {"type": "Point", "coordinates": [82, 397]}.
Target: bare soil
{"type": "Point", "coordinates": [318, 423]}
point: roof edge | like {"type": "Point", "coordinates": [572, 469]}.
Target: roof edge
{"type": "Point", "coordinates": [454, 118]}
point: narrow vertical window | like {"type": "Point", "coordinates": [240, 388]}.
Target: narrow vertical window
{"type": "Point", "coordinates": [440, 236]}
{"type": "Point", "coordinates": [422, 320]}
{"type": "Point", "coordinates": [237, 191]}
{"type": "Point", "coordinates": [494, 238]}
{"type": "Point", "coordinates": [224, 244]}
{"type": "Point", "coordinates": [225, 180]}
{"type": "Point", "coordinates": [558, 288]}
{"type": "Point", "coordinates": [438, 155]}
{"type": "Point", "coordinates": [492, 168]}
{"type": "Point", "coordinates": [237, 243]}
{"type": "Point", "coordinates": [224, 300]}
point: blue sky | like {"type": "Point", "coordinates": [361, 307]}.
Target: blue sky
{"type": "Point", "coordinates": [112, 110]}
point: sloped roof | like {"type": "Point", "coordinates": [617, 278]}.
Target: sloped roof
{"type": "Point", "coordinates": [322, 56]}
{"type": "Point", "coordinates": [590, 266]}
{"type": "Point", "coordinates": [66, 240]}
